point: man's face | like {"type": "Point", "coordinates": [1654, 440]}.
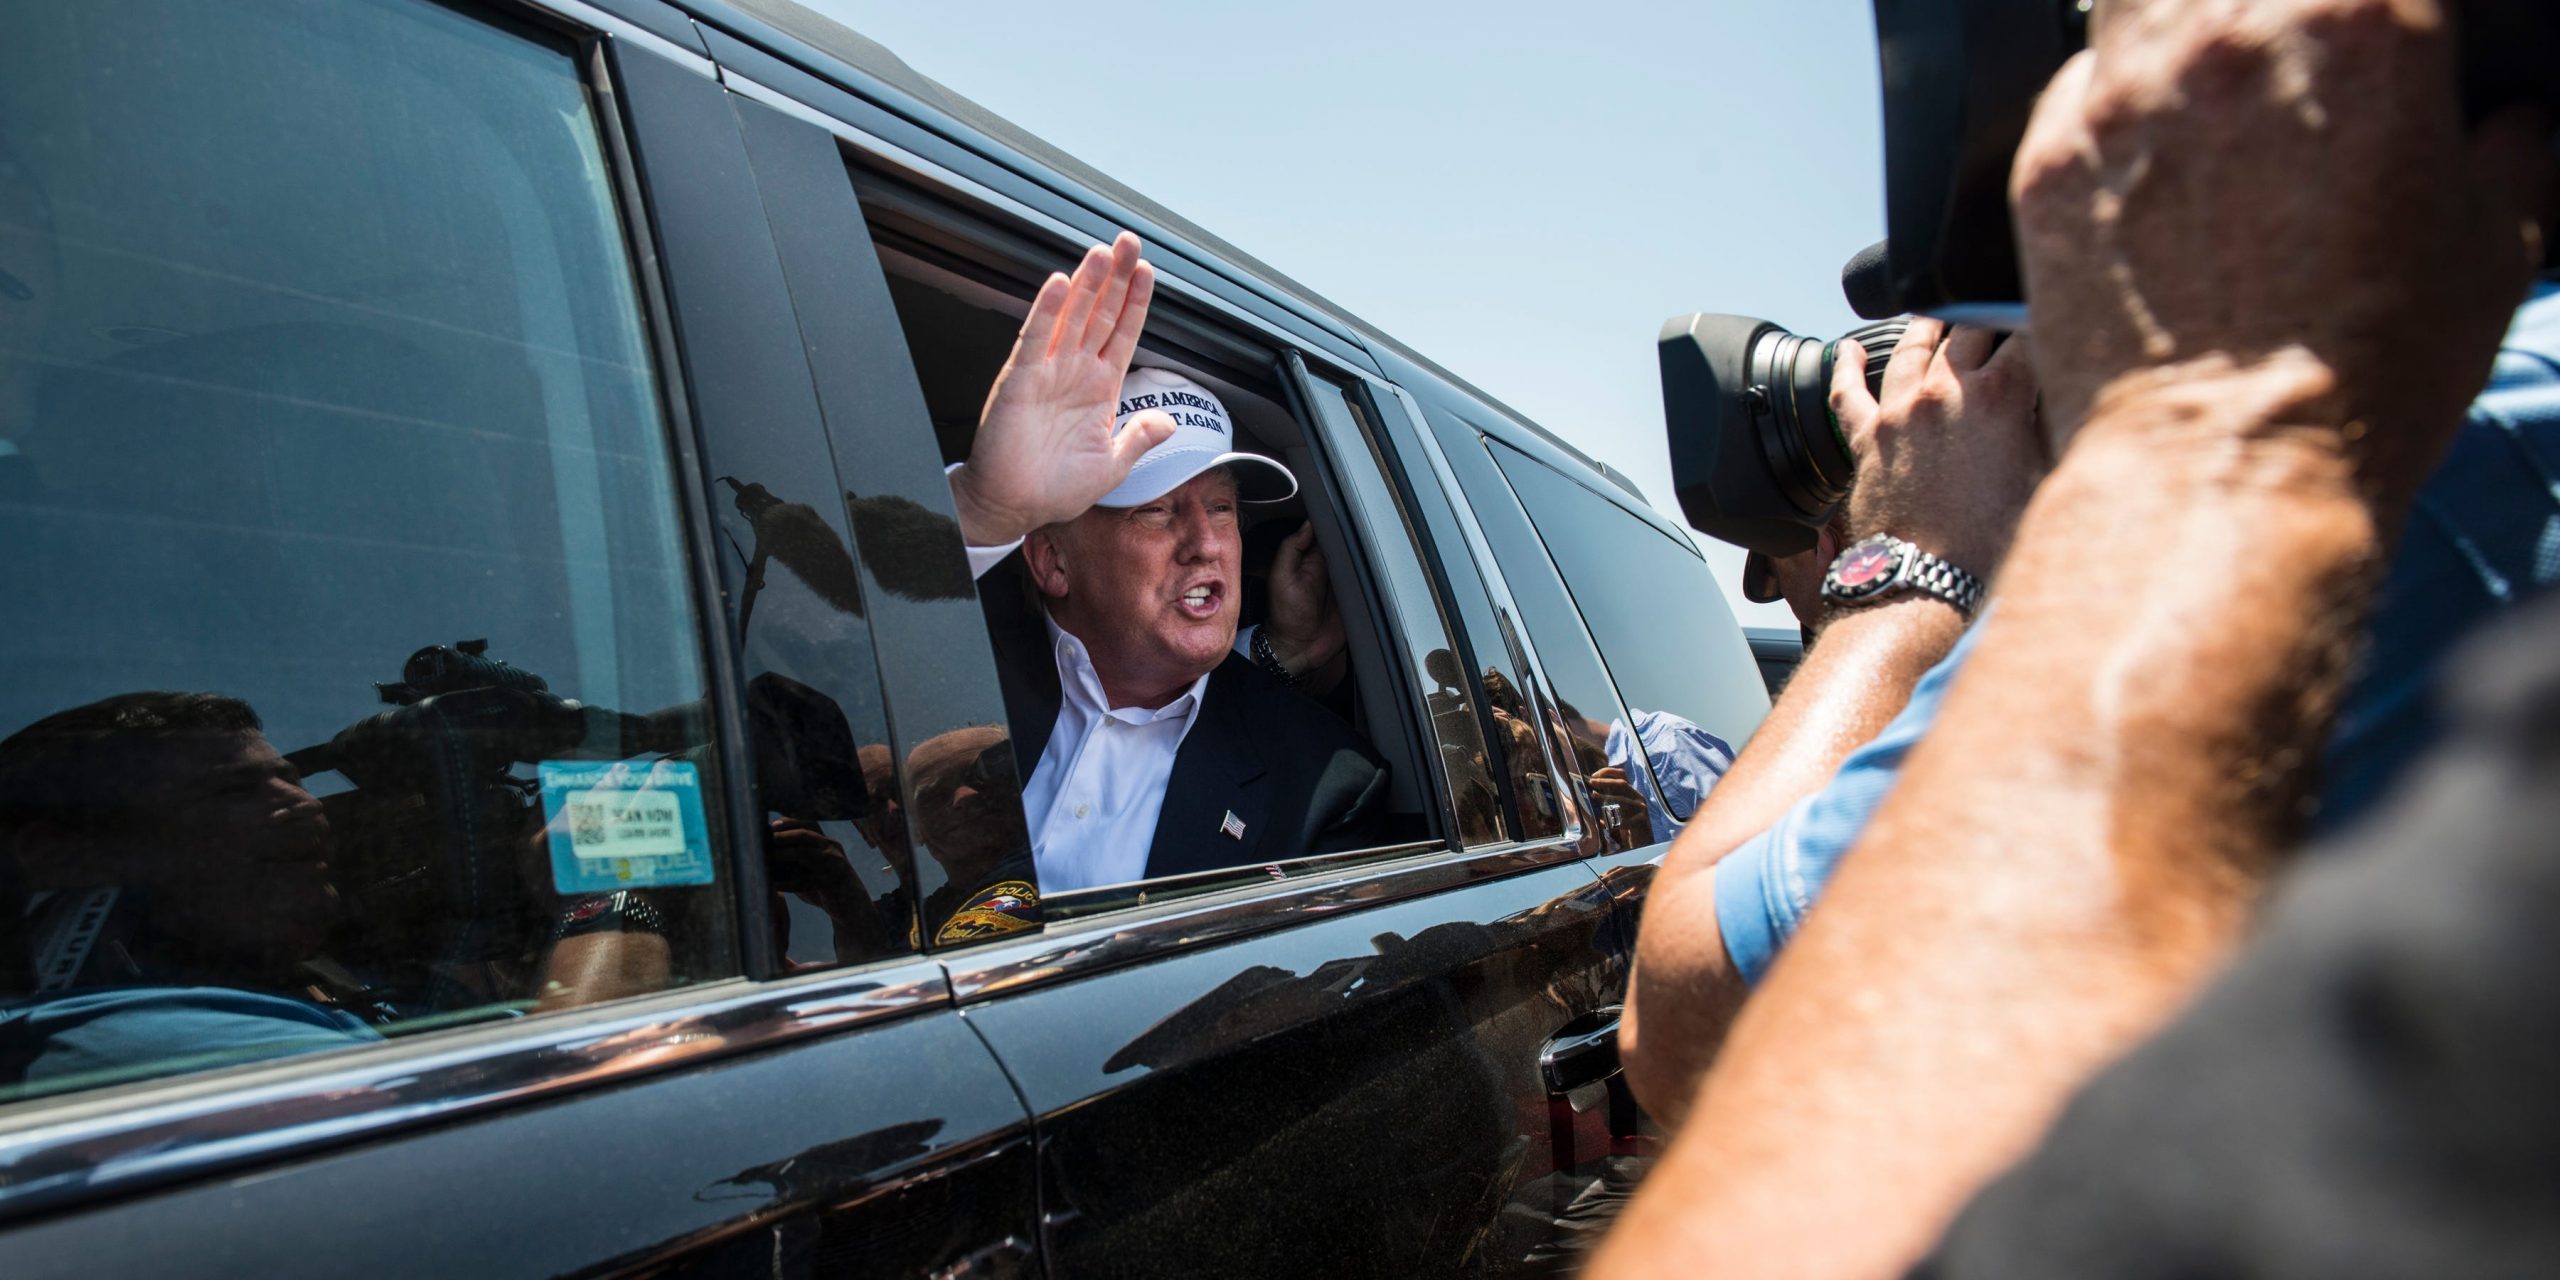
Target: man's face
{"type": "Point", "coordinates": [969, 806]}
{"type": "Point", "coordinates": [1150, 590]}
{"type": "Point", "coordinates": [231, 850]}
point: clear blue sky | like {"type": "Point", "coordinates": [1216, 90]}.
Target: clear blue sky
{"type": "Point", "coordinates": [1523, 192]}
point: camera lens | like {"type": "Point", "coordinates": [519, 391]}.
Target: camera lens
{"type": "Point", "coordinates": [1809, 458]}
{"type": "Point", "coordinates": [1756, 456]}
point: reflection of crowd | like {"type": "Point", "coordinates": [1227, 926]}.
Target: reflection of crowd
{"type": "Point", "coordinates": [181, 900]}
{"type": "Point", "coordinates": [1645, 774]}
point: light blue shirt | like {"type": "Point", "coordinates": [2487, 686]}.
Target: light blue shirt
{"type": "Point", "coordinates": [1686, 761]}
{"type": "Point", "coordinates": [88, 1038]}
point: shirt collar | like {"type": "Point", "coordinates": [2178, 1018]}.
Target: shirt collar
{"type": "Point", "coordinates": [1081, 686]}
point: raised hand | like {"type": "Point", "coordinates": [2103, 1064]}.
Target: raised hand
{"type": "Point", "coordinates": [1045, 450]}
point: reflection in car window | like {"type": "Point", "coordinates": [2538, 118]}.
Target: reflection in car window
{"type": "Point", "coordinates": [352, 684]}
{"type": "Point", "coordinates": [1474, 800]}
{"type": "Point", "coordinates": [1669, 643]}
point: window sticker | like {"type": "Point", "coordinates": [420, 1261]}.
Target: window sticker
{"type": "Point", "coordinates": [624, 824]}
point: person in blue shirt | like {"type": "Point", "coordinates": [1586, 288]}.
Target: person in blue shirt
{"type": "Point", "coordinates": [2484, 535]}
{"type": "Point", "coordinates": [171, 884]}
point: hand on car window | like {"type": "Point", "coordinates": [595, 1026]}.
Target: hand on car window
{"type": "Point", "coordinates": [1306, 626]}
{"type": "Point", "coordinates": [1045, 450]}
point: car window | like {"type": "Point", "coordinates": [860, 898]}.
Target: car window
{"type": "Point", "coordinates": [352, 685]}
{"type": "Point", "coordinates": [1229, 772]}
{"type": "Point", "coordinates": [1466, 767]}
{"type": "Point", "coordinates": [1689, 690]}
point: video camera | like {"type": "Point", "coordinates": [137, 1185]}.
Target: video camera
{"type": "Point", "coordinates": [1755, 458]}
{"type": "Point", "coordinates": [1961, 78]}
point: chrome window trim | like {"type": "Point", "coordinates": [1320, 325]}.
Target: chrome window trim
{"type": "Point", "coordinates": [54, 1151]}
{"type": "Point", "coordinates": [948, 183]}
{"type": "Point", "coordinates": [1506, 609]}
{"type": "Point", "coordinates": [1074, 949]}
{"type": "Point", "coordinates": [598, 21]}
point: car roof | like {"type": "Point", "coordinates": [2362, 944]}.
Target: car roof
{"type": "Point", "coordinates": [833, 39]}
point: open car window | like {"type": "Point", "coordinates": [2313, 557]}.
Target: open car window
{"type": "Point", "coordinates": [961, 302]}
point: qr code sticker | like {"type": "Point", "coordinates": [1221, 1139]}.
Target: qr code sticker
{"type": "Point", "coordinates": [617, 824]}
{"type": "Point", "coordinates": [586, 824]}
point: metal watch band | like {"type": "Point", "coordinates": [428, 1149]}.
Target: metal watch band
{"type": "Point", "coordinates": [1943, 580]}
{"type": "Point", "coordinates": [1882, 566]}
{"type": "Point", "coordinates": [1269, 661]}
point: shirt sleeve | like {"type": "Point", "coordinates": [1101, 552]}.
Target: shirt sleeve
{"type": "Point", "coordinates": [982, 559]}
{"type": "Point", "coordinates": [1244, 640]}
{"type": "Point", "coordinates": [1766, 885]}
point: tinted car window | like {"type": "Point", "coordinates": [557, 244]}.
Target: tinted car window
{"type": "Point", "coordinates": [352, 683]}
{"type": "Point", "coordinates": [1680, 665]}
{"type": "Point", "coordinates": [1466, 766]}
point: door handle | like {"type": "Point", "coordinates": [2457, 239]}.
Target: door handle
{"type": "Point", "coordinates": [1584, 1053]}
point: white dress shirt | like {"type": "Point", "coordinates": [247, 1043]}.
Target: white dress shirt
{"type": "Point", "coordinates": [1092, 802]}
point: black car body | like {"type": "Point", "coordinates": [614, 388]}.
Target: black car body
{"type": "Point", "coordinates": [291, 391]}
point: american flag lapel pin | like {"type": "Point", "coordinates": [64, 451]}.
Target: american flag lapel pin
{"type": "Point", "coordinates": [1233, 827]}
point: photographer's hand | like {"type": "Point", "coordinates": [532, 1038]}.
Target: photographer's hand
{"type": "Point", "coordinates": [1949, 458]}
{"type": "Point", "coordinates": [1045, 450]}
{"type": "Point", "coordinates": [2215, 210]}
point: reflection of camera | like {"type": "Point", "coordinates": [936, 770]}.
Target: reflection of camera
{"type": "Point", "coordinates": [438, 842]}
{"type": "Point", "coordinates": [431, 841]}
{"type": "Point", "coordinates": [1961, 76]}
{"type": "Point", "coordinates": [1756, 456]}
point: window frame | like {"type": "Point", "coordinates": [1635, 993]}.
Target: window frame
{"type": "Point", "coordinates": [1359, 444]}
{"type": "Point", "coordinates": [1546, 541]}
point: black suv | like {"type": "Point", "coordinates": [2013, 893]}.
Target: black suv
{"type": "Point", "coordinates": [501, 762]}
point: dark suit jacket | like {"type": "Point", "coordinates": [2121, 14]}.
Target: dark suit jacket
{"type": "Point", "coordinates": [1297, 778]}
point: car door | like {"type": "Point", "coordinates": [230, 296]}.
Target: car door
{"type": "Point", "coordinates": [457, 326]}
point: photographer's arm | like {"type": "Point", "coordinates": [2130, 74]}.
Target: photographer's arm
{"type": "Point", "coordinates": [592, 967]}
{"type": "Point", "coordinates": [2267, 370]}
{"type": "Point", "coordinates": [1685, 990]}
{"type": "Point", "coordinates": [1947, 461]}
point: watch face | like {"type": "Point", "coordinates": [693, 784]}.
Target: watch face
{"type": "Point", "coordinates": [1864, 566]}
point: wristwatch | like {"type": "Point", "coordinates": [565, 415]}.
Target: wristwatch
{"type": "Point", "coordinates": [1264, 658]}
{"type": "Point", "coordinates": [1881, 567]}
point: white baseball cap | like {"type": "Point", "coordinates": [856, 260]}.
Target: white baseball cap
{"type": "Point", "coordinates": [1203, 437]}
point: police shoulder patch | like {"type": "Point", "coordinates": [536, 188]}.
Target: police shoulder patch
{"type": "Point", "coordinates": [993, 912]}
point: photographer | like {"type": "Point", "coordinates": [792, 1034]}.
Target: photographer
{"type": "Point", "coordinates": [1946, 461]}
{"type": "Point", "coordinates": [2269, 264]}
{"type": "Point", "coordinates": [2477, 543]}
{"type": "Point", "coordinates": [2475, 547]}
